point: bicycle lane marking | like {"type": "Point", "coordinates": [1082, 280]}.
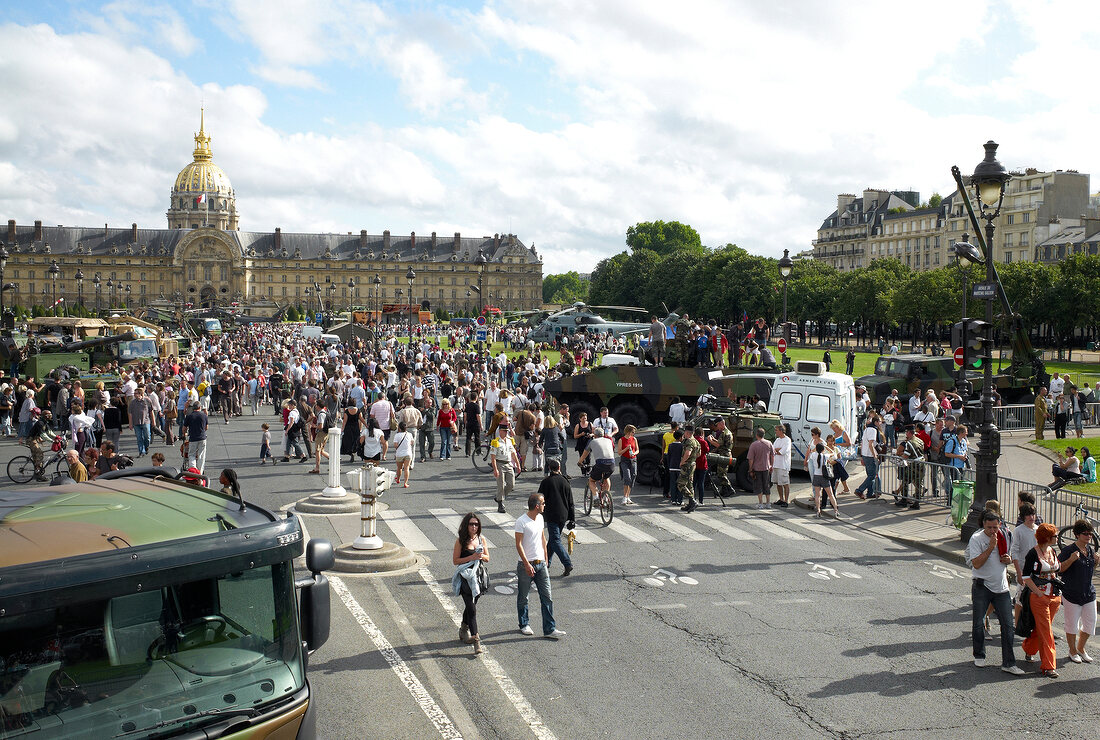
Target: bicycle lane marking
{"type": "Point", "coordinates": [424, 700]}
{"type": "Point", "coordinates": [506, 684]}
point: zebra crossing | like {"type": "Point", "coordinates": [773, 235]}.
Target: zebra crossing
{"type": "Point", "coordinates": [436, 530]}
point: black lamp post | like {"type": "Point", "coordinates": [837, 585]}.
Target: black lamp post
{"type": "Point", "coordinates": [54, 272]}
{"type": "Point", "coordinates": [410, 276]}
{"type": "Point", "coordinates": [45, 297]}
{"type": "Point", "coordinates": [989, 181]}
{"type": "Point", "coordinates": [110, 293]}
{"type": "Point", "coordinates": [80, 287]}
{"type": "Point", "coordinates": [96, 283]}
{"type": "Point", "coordinates": [377, 282]}
{"type": "Point", "coordinates": [127, 296]}
{"type": "Point", "coordinates": [3, 263]}
{"type": "Point", "coordinates": [351, 293]}
{"type": "Point", "coordinates": [467, 311]}
{"type": "Point", "coordinates": [480, 262]}
{"type": "Point", "coordinates": [785, 266]}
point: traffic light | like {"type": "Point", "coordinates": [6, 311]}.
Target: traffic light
{"type": "Point", "coordinates": [975, 338]}
{"type": "Point", "coordinates": [379, 480]}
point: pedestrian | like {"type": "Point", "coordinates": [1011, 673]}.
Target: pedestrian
{"type": "Point", "coordinates": [403, 449]}
{"type": "Point", "coordinates": [505, 462]}
{"type": "Point", "coordinates": [702, 468]}
{"type": "Point", "coordinates": [1041, 412]}
{"type": "Point", "coordinates": [532, 568]}
{"type": "Point", "coordinates": [761, 458]}
{"type": "Point", "coordinates": [472, 417]}
{"type": "Point", "coordinates": [470, 558]}
{"type": "Point", "coordinates": [195, 427]}
{"type": "Point", "coordinates": [850, 362]}
{"type": "Point", "coordinates": [989, 585]}
{"type": "Point", "coordinates": [265, 444]}
{"type": "Point", "coordinates": [1040, 576]}
{"type": "Point", "coordinates": [1023, 539]}
{"type": "Point", "coordinates": [868, 458]}
{"type": "Point", "coordinates": [371, 445]}
{"type": "Point", "coordinates": [600, 454]}
{"type": "Point", "coordinates": [447, 422]}
{"type": "Point", "coordinates": [352, 431]}
{"type": "Point", "coordinates": [322, 422]}
{"type": "Point", "coordinates": [674, 452]}
{"type": "Point", "coordinates": [781, 466]}
{"type": "Point", "coordinates": [1078, 561]}
{"type": "Point", "coordinates": [551, 442]}
{"type": "Point", "coordinates": [821, 476]}
{"type": "Point", "coordinates": [559, 513]}
{"type": "Point", "coordinates": [721, 445]}
{"type": "Point", "coordinates": [685, 483]}
{"type": "Point", "coordinates": [627, 450]}
{"type": "Point", "coordinates": [911, 453]}
{"type": "Point", "coordinates": [426, 438]}
{"type": "Point", "coordinates": [77, 472]}
{"type": "Point", "coordinates": [294, 428]}
{"type": "Point", "coordinates": [140, 414]}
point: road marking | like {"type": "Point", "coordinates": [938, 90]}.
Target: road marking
{"type": "Point", "coordinates": [605, 610]}
{"type": "Point", "coordinates": [794, 601]}
{"type": "Point", "coordinates": [508, 524]}
{"type": "Point", "coordinates": [451, 519]}
{"type": "Point", "coordinates": [684, 533]}
{"type": "Point", "coordinates": [731, 603]}
{"type": "Point", "coordinates": [506, 684]}
{"type": "Point", "coordinates": [424, 700]}
{"type": "Point", "coordinates": [588, 537]}
{"type": "Point", "coordinates": [767, 526]}
{"type": "Point", "coordinates": [664, 606]}
{"type": "Point", "coordinates": [709, 521]}
{"type": "Point", "coordinates": [631, 533]}
{"type": "Point", "coordinates": [405, 530]}
{"type": "Point", "coordinates": [822, 530]}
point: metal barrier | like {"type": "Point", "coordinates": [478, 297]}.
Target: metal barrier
{"type": "Point", "coordinates": [1022, 416]}
{"type": "Point", "coordinates": [930, 481]}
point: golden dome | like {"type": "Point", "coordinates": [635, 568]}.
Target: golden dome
{"type": "Point", "coordinates": [202, 175]}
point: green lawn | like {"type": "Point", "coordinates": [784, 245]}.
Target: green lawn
{"type": "Point", "coordinates": [1060, 445]}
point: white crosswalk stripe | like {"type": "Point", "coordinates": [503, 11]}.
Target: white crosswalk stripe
{"type": "Point", "coordinates": [663, 522]}
{"type": "Point", "coordinates": [406, 531]}
{"type": "Point", "coordinates": [451, 519]}
{"type": "Point", "coordinates": [507, 522]}
{"type": "Point", "coordinates": [631, 533]}
{"type": "Point", "coordinates": [767, 526]}
{"type": "Point", "coordinates": [822, 530]}
{"type": "Point", "coordinates": [720, 526]}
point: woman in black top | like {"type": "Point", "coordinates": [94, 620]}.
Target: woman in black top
{"type": "Point", "coordinates": [349, 442]}
{"type": "Point", "coordinates": [1079, 595]}
{"type": "Point", "coordinates": [469, 546]}
{"type": "Point", "coordinates": [582, 433]}
{"type": "Point", "coordinates": [1041, 569]}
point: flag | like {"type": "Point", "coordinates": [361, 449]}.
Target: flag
{"type": "Point", "coordinates": [744, 316]}
{"type": "Point", "coordinates": [200, 200]}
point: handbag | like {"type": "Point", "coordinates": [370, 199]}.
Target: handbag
{"type": "Point", "coordinates": [1025, 625]}
{"type": "Point", "coordinates": [483, 571]}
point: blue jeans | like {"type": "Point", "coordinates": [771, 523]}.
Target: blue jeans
{"type": "Point", "coordinates": [143, 436]}
{"type": "Point", "coordinates": [870, 484]}
{"type": "Point", "coordinates": [445, 440]}
{"type": "Point", "coordinates": [555, 546]}
{"type": "Point", "coordinates": [541, 579]}
{"type": "Point", "coordinates": [1002, 604]}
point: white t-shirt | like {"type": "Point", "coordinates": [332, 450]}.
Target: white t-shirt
{"type": "Point", "coordinates": [867, 444]}
{"type": "Point", "coordinates": [403, 440]}
{"type": "Point", "coordinates": [782, 447]}
{"type": "Point", "coordinates": [1056, 385]}
{"type": "Point", "coordinates": [678, 412]}
{"type": "Point", "coordinates": [372, 444]}
{"type": "Point", "coordinates": [532, 536]}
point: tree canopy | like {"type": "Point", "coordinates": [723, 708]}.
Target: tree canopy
{"type": "Point", "coordinates": [564, 288]}
{"type": "Point", "coordinates": [663, 237]}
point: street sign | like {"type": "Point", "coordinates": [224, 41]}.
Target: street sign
{"type": "Point", "coordinates": [481, 321]}
{"type": "Point", "coordinates": [984, 290]}
{"type": "Point", "coordinates": [481, 335]}
{"type": "Point", "coordinates": [960, 356]}
{"type": "Point", "coordinates": [782, 346]}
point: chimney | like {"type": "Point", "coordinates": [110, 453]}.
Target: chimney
{"type": "Point", "coordinates": [431, 248]}
{"type": "Point", "coordinates": [278, 238]}
{"type": "Point", "coordinates": [496, 241]}
{"type": "Point", "coordinates": [38, 231]}
{"type": "Point", "coordinates": [104, 230]}
{"type": "Point", "coordinates": [362, 239]}
{"type": "Point", "coordinates": [412, 242]}
{"type": "Point", "coordinates": [133, 233]}
{"type": "Point", "coordinates": [458, 241]}
{"type": "Point", "coordinates": [386, 240]}
{"type": "Point", "coordinates": [11, 231]}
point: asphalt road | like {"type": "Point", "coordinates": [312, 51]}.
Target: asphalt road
{"type": "Point", "coordinates": [726, 623]}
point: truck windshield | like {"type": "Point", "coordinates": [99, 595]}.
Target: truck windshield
{"type": "Point", "coordinates": [152, 663]}
{"type": "Point", "coordinates": [137, 349]}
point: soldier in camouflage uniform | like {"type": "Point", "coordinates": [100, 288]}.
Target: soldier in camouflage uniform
{"type": "Point", "coordinates": [683, 338]}
{"type": "Point", "coordinates": [721, 444]}
{"type": "Point", "coordinates": [687, 468]}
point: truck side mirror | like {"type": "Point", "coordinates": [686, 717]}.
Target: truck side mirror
{"type": "Point", "coordinates": [314, 608]}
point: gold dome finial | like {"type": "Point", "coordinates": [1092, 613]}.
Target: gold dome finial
{"type": "Point", "coordinates": [202, 151]}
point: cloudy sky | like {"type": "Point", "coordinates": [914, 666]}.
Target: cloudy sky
{"type": "Point", "coordinates": [563, 122]}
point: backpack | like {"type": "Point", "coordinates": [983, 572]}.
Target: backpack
{"type": "Point", "coordinates": [329, 422]}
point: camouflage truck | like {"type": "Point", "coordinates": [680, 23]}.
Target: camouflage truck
{"type": "Point", "coordinates": [742, 422]}
{"type": "Point", "coordinates": [141, 606]}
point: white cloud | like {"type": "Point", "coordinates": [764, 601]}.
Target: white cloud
{"type": "Point", "coordinates": [152, 24]}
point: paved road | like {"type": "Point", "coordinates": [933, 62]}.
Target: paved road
{"type": "Point", "coordinates": [726, 623]}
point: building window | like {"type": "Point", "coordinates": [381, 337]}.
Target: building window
{"type": "Point", "coordinates": [1027, 218]}
{"type": "Point", "coordinates": [1008, 256]}
{"type": "Point", "coordinates": [1011, 219]}
{"type": "Point", "coordinates": [225, 273]}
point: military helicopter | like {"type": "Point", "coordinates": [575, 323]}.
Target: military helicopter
{"type": "Point", "coordinates": [582, 317]}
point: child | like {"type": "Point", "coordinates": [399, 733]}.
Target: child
{"type": "Point", "coordinates": [265, 445]}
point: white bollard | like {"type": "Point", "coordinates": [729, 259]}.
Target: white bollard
{"type": "Point", "coordinates": [334, 489]}
{"type": "Point", "coordinates": [363, 481]}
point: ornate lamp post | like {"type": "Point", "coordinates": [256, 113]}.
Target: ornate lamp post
{"type": "Point", "coordinates": [3, 263]}
{"type": "Point", "coordinates": [110, 293]}
{"type": "Point", "coordinates": [127, 296]}
{"type": "Point", "coordinates": [80, 287]}
{"type": "Point", "coordinates": [54, 273]}
{"type": "Point", "coordinates": [786, 264]}
{"type": "Point", "coordinates": [467, 308]}
{"type": "Point", "coordinates": [352, 289]}
{"type": "Point", "coordinates": [377, 282]}
{"type": "Point", "coordinates": [410, 276]}
{"type": "Point", "coordinates": [480, 262]}
{"type": "Point", "coordinates": [96, 283]}
{"type": "Point", "coordinates": [989, 181]}
{"type": "Point", "coordinates": [45, 297]}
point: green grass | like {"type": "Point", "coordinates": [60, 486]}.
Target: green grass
{"type": "Point", "coordinates": [1060, 445]}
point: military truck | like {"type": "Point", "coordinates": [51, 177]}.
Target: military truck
{"type": "Point", "coordinates": [141, 606]}
{"type": "Point", "coordinates": [641, 394]}
{"type": "Point", "coordinates": [152, 342]}
{"type": "Point", "coordinates": [913, 373]}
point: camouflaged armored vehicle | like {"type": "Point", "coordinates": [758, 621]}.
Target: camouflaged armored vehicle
{"type": "Point", "coordinates": [742, 422]}
{"type": "Point", "coordinates": [911, 373]}
{"type": "Point", "coordinates": [141, 606]}
{"type": "Point", "coordinates": [641, 394]}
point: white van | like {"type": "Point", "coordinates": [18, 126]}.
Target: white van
{"type": "Point", "coordinates": [811, 397]}
{"type": "Point", "coordinates": [310, 332]}
{"type": "Point", "coordinates": [331, 338]}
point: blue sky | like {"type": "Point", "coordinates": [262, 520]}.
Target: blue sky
{"type": "Point", "coordinates": [562, 121]}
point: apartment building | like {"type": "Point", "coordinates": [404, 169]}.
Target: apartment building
{"type": "Point", "coordinates": [843, 239]}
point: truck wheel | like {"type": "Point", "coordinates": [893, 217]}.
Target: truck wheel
{"type": "Point", "coordinates": [743, 481]}
{"type": "Point", "coordinates": [576, 408]}
{"type": "Point", "coordinates": [649, 466]}
{"type": "Point", "coordinates": [630, 413]}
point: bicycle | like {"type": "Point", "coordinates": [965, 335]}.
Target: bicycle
{"type": "Point", "coordinates": [21, 467]}
{"type": "Point", "coordinates": [606, 504]}
{"type": "Point", "coordinates": [1066, 536]}
{"type": "Point", "coordinates": [479, 456]}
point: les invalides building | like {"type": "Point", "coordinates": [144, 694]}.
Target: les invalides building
{"type": "Point", "coordinates": [204, 259]}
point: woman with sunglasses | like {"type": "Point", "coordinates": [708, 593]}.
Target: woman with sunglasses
{"type": "Point", "coordinates": [470, 547]}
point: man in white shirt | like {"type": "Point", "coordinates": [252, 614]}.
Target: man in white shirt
{"type": "Point", "coordinates": [531, 545]}
{"type": "Point", "coordinates": [868, 458]}
{"type": "Point", "coordinates": [383, 413]}
{"type": "Point", "coordinates": [989, 585]}
{"type": "Point", "coordinates": [677, 412]}
{"type": "Point", "coordinates": [606, 423]}
{"type": "Point", "coordinates": [781, 466]}
{"type": "Point", "coordinates": [1056, 385]}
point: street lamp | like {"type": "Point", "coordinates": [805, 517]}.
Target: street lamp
{"type": "Point", "coordinates": [80, 287]}
{"type": "Point", "coordinates": [3, 263]}
{"type": "Point", "coordinates": [377, 282]}
{"type": "Point", "coordinates": [351, 293]}
{"type": "Point", "coordinates": [989, 181]}
{"type": "Point", "coordinates": [45, 297]}
{"type": "Point", "coordinates": [96, 283]}
{"type": "Point", "coordinates": [480, 262]}
{"type": "Point", "coordinates": [410, 276]}
{"type": "Point", "coordinates": [54, 273]}
{"type": "Point", "coordinates": [785, 266]}
{"type": "Point", "coordinates": [110, 293]}
{"type": "Point", "coordinates": [127, 296]}
{"type": "Point", "coordinates": [467, 310]}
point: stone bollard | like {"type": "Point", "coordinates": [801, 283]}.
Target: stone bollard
{"type": "Point", "coordinates": [369, 553]}
{"type": "Point", "coordinates": [334, 489]}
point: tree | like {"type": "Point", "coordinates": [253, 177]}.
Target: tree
{"type": "Point", "coordinates": [606, 280]}
{"type": "Point", "coordinates": [564, 288]}
{"type": "Point", "coordinates": [663, 237]}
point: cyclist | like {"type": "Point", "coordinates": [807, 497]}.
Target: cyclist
{"type": "Point", "coordinates": [38, 435]}
{"type": "Point", "coordinates": [601, 451]}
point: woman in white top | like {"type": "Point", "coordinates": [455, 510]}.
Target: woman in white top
{"type": "Point", "coordinates": [403, 450]}
{"type": "Point", "coordinates": [373, 441]}
{"type": "Point", "coordinates": [81, 425]}
{"type": "Point", "coordinates": [820, 470]}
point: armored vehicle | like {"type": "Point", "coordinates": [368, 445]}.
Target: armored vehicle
{"type": "Point", "coordinates": [911, 373]}
{"type": "Point", "coordinates": [140, 606]}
